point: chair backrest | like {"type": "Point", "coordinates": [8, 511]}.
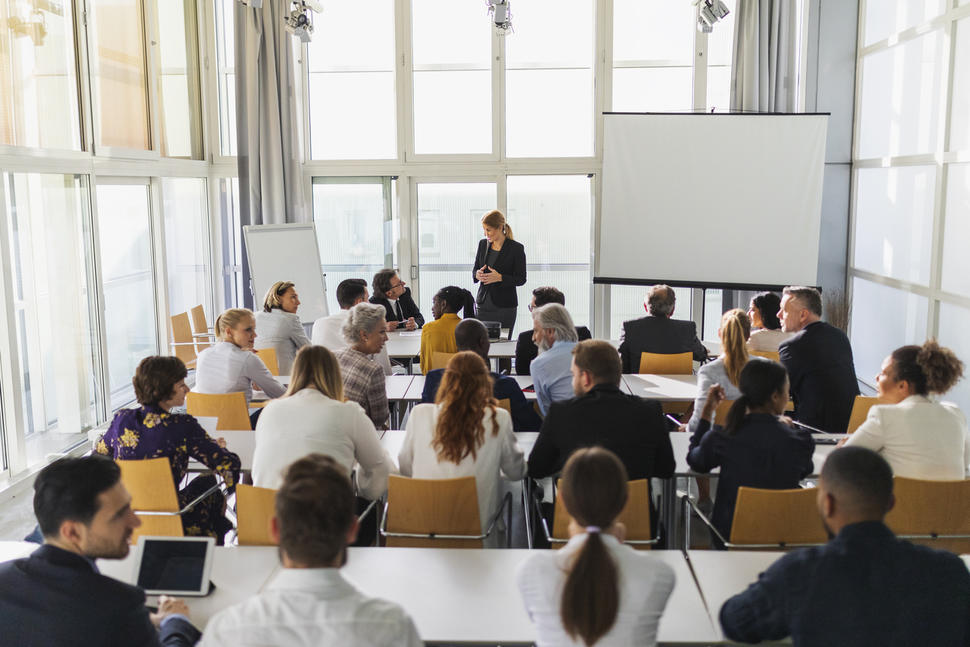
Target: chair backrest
{"type": "Point", "coordinates": [439, 506]}
{"type": "Point", "coordinates": [182, 336]}
{"type": "Point", "coordinates": [506, 404]}
{"type": "Point", "coordinates": [149, 481]}
{"type": "Point", "coordinates": [200, 326]}
{"type": "Point", "coordinates": [229, 408]}
{"type": "Point", "coordinates": [440, 359]}
{"type": "Point", "coordinates": [667, 364]}
{"type": "Point", "coordinates": [860, 410]}
{"type": "Point", "coordinates": [932, 508]}
{"type": "Point", "coordinates": [635, 515]}
{"type": "Point", "coordinates": [770, 354]}
{"type": "Point", "coordinates": [255, 507]}
{"type": "Point", "coordinates": [268, 355]}
{"type": "Point", "coordinates": [720, 414]}
{"type": "Point", "coordinates": [777, 517]}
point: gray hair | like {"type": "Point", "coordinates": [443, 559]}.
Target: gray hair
{"type": "Point", "coordinates": [363, 317]}
{"type": "Point", "coordinates": [555, 317]}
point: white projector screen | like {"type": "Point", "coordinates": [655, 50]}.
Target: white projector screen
{"type": "Point", "coordinates": [710, 200]}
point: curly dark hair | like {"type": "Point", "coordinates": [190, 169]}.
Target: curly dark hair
{"type": "Point", "coordinates": [155, 378]}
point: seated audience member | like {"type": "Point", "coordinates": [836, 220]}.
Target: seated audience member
{"type": "Point", "coordinates": [819, 362]}
{"type": "Point", "coordinates": [328, 331]}
{"type": "Point", "coordinates": [658, 332]}
{"type": "Point", "coordinates": [308, 602]}
{"type": "Point", "coordinates": [555, 335]}
{"type": "Point", "coordinates": [631, 427]}
{"type": "Point", "coordinates": [365, 332]}
{"type": "Point", "coordinates": [595, 590]}
{"type": "Point", "coordinates": [391, 293]}
{"type": "Point", "coordinates": [763, 312]}
{"type": "Point", "coordinates": [865, 587]}
{"type": "Point", "coordinates": [465, 433]}
{"type": "Point", "coordinates": [471, 334]}
{"type": "Point", "coordinates": [526, 349]}
{"type": "Point", "coordinates": [439, 335]}
{"type": "Point", "coordinates": [726, 369]}
{"type": "Point", "coordinates": [920, 438]}
{"type": "Point", "coordinates": [755, 448]}
{"type": "Point", "coordinates": [57, 596]}
{"type": "Point", "coordinates": [150, 431]}
{"type": "Point", "coordinates": [313, 417]}
{"type": "Point", "coordinates": [278, 326]}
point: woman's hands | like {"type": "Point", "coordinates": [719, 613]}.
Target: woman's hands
{"type": "Point", "coordinates": [487, 275]}
{"type": "Point", "coordinates": [715, 396]}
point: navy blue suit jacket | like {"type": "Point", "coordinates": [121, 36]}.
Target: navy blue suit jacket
{"type": "Point", "coordinates": [408, 307]}
{"type": "Point", "coordinates": [524, 416]}
{"type": "Point", "coordinates": [55, 598]}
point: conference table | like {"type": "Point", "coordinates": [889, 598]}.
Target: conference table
{"type": "Point", "coordinates": [524, 381]}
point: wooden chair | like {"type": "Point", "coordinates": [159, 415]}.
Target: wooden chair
{"type": "Point", "coordinates": [932, 513]}
{"type": "Point", "coordinates": [667, 364]}
{"type": "Point", "coordinates": [255, 506]}
{"type": "Point", "coordinates": [268, 355]}
{"type": "Point", "coordinates": [770, 354]}
{"type": "Point", "coordinates": [229, 408]}
{"type": "Point", "coordinates": [182, 343]}
{"type": "Point", "coordinates": [437, 513]}
{"type": "Point", "coordinates": [440, 360]}
{"type": "Point", "coordinates": [720, 414]}
{"type": "Point", "coordinates": [506, 404]}
{"type": "Point", "coordinates": [153, 497]}
{"type": "Point", "coordinates": [201, 328]}
{"type": "Point", "coordinates": [860, 410]}
{"type": "Point", "coordinates": [635, 516]}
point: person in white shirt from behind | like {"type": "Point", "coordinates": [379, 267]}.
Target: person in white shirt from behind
{"type": "Point", "coordinates": [278, 326]}
{"type": "Point", "coordinates": [465, 433]}
{"type": "Point", "coordinates": [595, 590]}
{"type": "Point", "coordinates": [308, 603]}
{"type": "Point", "coordinates": [313, 417]}
{"type": "Point", "coordinates": [328, 331]}
{"type": "Point", "coordinates": [919, 437]}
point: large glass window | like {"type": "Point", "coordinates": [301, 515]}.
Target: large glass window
{"type": "Point", "coordinates": [627, 302]}
{"type": "Point", "coordinates": [884, 18]}
{"type": "Point", "coordinates": [231, 239]}
{"type": "Point", "coordinates": [181, 114]}
{"type": "Point", "coordinates": [960, 102]}
{"type": "Point", "coordinates": [954, 324]}
{"type": "Point", "coordinates": [956, 231]}
{"type": "Point", "coordinates": [124, 233]}
{"type": "Point", "coordinates": [720, 46]}
{"type": "Point", "coordinates": [351, 82]}
{"type": "Point", "coordinates": [883, 318]}
{"type": "Point", "coordinates": [49, 230]}
{"type": "Point", "coordinates": [186, 244]}
{"type": "Point", "coordinates": [38, 77]}
{"type": "Point", "coordinates": [226, 75]}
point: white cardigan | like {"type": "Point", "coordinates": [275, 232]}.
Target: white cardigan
{"type": "Point", "coordinates": [283, 331]}
{"type": "Point", "coordinates": [307, 422]}
{"type": "Point", "coordinates": [920, 438]}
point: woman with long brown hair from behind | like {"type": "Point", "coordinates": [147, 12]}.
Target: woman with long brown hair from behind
{"type": "Point", "coordinates": [595, 590]}
{"type": "Point", "coordinates": [464, 433]}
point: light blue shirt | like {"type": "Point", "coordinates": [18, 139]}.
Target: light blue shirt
{"type": "Point", "coordinates": [551, 375]}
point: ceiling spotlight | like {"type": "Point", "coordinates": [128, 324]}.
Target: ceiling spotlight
{"type": "Point", "coordinates": [501, 15]}
{"type": "Point", "coordinates": [708, 13]}
{"type": "Point", "coordinates": [299, 21]}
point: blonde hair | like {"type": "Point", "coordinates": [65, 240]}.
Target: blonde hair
{"type": "Point", "coordinates": [274, 296]}
{"type": "Point", "coordinates": [230, 319]}
{"type": "Point", "coordinates": [735, 330]}
{"type": "Point", "coordinates": [496, 220]}
{"type": "Point", "coordinates": [315, 367]}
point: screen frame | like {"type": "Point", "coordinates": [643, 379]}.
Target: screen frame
{"type": "Point", "coordinates": [203, 590]}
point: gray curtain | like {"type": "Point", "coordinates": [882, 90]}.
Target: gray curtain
{"type": "Point", "coordinates": [763, 64]}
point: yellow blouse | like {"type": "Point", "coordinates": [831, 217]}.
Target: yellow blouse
{"type": "Point", "coordinates": [438, 336]}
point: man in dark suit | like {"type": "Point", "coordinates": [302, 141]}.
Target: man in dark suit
{"type": "Point", "coordinates": [472, 335]}
{"type": "Point", "coordinates": [819, 362]}
{"type": "Point", "coordinates": [390, 292]}
{"type": "Point", "coordinates": [56, 596]}
{"type": "Point", "coordinates": [657, 332]}
{"type": "Point", "coordinates": [526, 349]}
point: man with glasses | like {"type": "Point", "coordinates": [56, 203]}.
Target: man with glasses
{"type": "Point", "coordinates": [391, 292]}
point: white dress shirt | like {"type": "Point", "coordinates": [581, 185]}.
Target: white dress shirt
{"type": "Point", "coordinates": [499, 452]}
{"type": "Point", "coordinates": [283, 331]}
{"type": "Point", "coordinates": [767, 340]}
{"type": "Point", "coordinates": [919, 438]}
{"type": "Point", "coordinates": [645, 584]}
{"type": "Point", "coordinates": [226, 368]}
{"type": "Point", "coordinates": [308, 421]}
{"type": "Point", "coordinates": [311, 607]}
{"type": "Point", "coordinates": [328, 332]}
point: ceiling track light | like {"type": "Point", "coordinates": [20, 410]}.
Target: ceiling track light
{"type": "Point", "coordinates": [708, 13]}
{"type": "Point", "coordinates": [501, 14]}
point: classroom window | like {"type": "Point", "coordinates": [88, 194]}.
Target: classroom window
{"type": "Point", "coordinates": [960, 101]}
{"type": "Point", "coordinates": [954, 323]}
{"type": "Point", "coordinates": [883, 318]}
{"type": "Point", "coordinates": [226, 75]}
{"type": "Point", "coordinates": [626, 303]}
{"type": "Point", "coordinates": [38, 77]}
{"type": "Point", "coordinates": [352, 97]}
{"type": "Point", "coordinates": [231, 242]}
{"type": "Point", "coordinates": [720, 47]}
{"type": "Point", "coordinates": [883, 18]}
{"type": "Point", "coordinates": [181, 113]}
{"type": "Point", "coordinates": [186, 244]}
{"type": "Point", "coordinates": [956, 231]}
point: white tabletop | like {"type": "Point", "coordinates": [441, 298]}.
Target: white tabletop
{"type": "Point", "coordinates": [397, 386]}
{"type": "Point", "coordinates": [670, 388]}
{"type": "Point", "coordinates": [681, 443]}
{"type": "Point", "coordinates": [393, 439]}
{"type": "Point", "coordinates": [404, 345]}
{"type": "Point", "coordinates": [16, 549]}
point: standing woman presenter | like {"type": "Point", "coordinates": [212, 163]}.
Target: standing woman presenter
{"type": "Point", "coordinates": [499, 268]}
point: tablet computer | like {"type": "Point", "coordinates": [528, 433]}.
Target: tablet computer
{"type": "Point", "coordinates": [174, 565]}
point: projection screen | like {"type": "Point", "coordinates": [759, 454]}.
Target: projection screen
{"type": "Point", "coordinates": [730, 200]}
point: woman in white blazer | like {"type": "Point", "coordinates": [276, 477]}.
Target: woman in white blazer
{"type": "Point", "coordinates": [465, 433]}
{"type": "Point", "coordinates": [594, 590]}
{"type": "Point", "coordinates": [313, 417]}
{"type": "Point", "coordinates": [919, 437]}
{"type": "Point", "coordinates": [278, 326]}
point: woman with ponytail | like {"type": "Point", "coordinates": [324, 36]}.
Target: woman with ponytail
{"type": "Point", "coordinates": [499, 268]}
{"type": "Point", "coordinates": [756, 448]}
{"type": "Point", "coordinates": [918, 436]}
{"type": "Point", "coordinates": [439, 335]}
{"type": "Point", "coordinates": [595, 590]}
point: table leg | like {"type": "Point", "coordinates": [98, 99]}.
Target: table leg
{"type": "Point", "coordinates": [527, 508]}
{"type": "Point", "coordinates": [669, 514]}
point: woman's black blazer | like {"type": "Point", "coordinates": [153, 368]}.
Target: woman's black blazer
{"type": "Point", "coordinates": [510, 264]}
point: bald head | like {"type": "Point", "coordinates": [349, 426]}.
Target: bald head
{"type": "Point", "coordinates": [856, 484]}
{"type": "Point", "coordinates": [471, 334]}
